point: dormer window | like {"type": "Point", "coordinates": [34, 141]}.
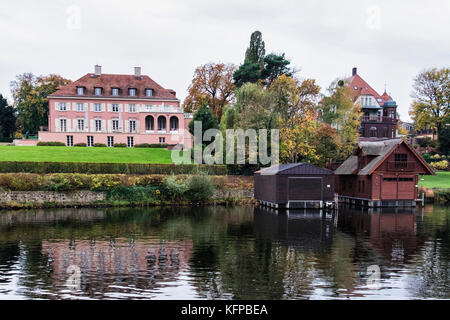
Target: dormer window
{"type": "Point", "coordinates": [115, 91]}
{"type": "Point", "coordinates": [149, 92]}
{"type": "Point", "coordinates": [98, 91]}
{"type": "Point", "coordinates": [80, 91]}
{"type": "Point", "coordinates": [132, 92]}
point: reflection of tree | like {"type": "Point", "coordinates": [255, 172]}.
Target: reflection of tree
{"type": "Point", "coordinates": [430, 277]}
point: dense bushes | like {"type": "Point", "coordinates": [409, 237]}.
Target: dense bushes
{"type": "Point", "coordinates": [6, 140]}
{"type": "Point", "coordinates": [81, 144]}
{"type": "Point", "coordinates": [50, 144]}
{"type": "Point", "coordinates": [193, 188]}
{"type": "Point", "coordinates": [100, 145]}
{"type": "Point", "coordinates": [151, 145]}
{"type": "Point", "coordinates": [439, 165]}
{"type": "Point", "coordinates": [200, 188]}
{"type": "Point", "coordinates": [98, 168]}
{"type": "Point", "coordinates": [74, 181]}
{"type": "Point", "coordinates": [120, 145]}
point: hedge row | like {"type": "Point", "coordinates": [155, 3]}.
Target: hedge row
{"type": "Point", "coordinates": [97, 168]}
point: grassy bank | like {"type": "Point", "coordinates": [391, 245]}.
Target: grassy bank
{"type": "Point", "coordinates": [439, 181]}
{"type": "Point", "coordinates": [83, 154]}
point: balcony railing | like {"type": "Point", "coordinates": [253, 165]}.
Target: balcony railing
{"type": "Point", "coordinates": [401, 165]}
{"type": "Point", "coordinates": [377, 119]}
{"type": "Point", "coordinates": [162, 109]}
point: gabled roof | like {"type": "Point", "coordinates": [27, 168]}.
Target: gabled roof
{"type": "Point", "coordinates": [381, 150]}
{"type": "Point", "coordinates": [362, 87]}
{"type": "Point", "coordinates": [295, 169]}
{"type": "Point", "coordinates": [121, 81]}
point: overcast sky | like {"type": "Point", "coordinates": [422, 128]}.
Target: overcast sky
{"type": "Point", "coordinates": [389, 41]}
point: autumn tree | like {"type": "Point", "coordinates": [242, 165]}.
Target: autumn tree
{"type": "Point", "coordinates": [212, 85]}
{"type": "Point", "coordinates": [339, 111]}
{"type": "Point", "coordinates": [7, 119]}
{"type": "Point", "coordinates": [431, 93]}
{"type": "Point", "coordinates": [30, 99]}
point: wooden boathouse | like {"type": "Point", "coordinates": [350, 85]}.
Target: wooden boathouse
{"type": "Point", "coordinates": [295, 185]}
{"type": "Point", "coordinates": [381, 174]}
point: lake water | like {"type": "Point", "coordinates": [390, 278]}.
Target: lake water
{"type": "Point", "coordinates": [224, 253]}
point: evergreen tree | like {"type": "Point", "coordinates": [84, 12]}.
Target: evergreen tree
{"type": "Point", "coordinates": [7, 119]}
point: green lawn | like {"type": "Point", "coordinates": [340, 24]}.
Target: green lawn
{"type": "Point", "coordinates": [440, 180]}
{"type": "Point", "coordinates": [84, 154]}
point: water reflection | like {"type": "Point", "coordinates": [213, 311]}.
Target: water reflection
{"type": "Point", "coordinates": [216, 252]}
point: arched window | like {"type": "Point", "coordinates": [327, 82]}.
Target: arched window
{"type": "Point", "coordinates": [162, 123]}
{"type": "Point", "coordinates": [173, 124]}
{"type": "Point", "coordinates": [149, 123]}
{"type": "Point", "coordinates": [373, 132]}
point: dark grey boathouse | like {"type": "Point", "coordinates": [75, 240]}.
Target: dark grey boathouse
{"type": "Point", "coordinates": [294, 185]}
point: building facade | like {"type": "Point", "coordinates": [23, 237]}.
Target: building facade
{"type": "Point", "coordinates": [381, 173]}
{"type": "Point", "coordinates": [379, 120]}
{"type": "Point", "coordinates": [113, 108]}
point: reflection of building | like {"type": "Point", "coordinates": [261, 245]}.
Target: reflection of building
{"type": "Point", "coordinates": [302, 228]}
{"type": "Point", "coordinates": [118, 259]}
{"type": "Point", "coordinates": [392, 234]}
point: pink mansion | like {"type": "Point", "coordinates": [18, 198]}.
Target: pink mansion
{"type": "Point", "coordinates": [116, 108]}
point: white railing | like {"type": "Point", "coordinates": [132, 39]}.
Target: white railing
{"type": "Point", "coordinates": [153, 108]}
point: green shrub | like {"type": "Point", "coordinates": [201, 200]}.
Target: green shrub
{"type": "Point", "coordinates": [125, 168]}
{"type": "Point", "coordinates": [151, 145]}
{"type": "Point", "coordinates": [136, 194]}
{"type": "Point", "coordinates": [175, 188]}
{"type": "Point", "coordinates": [439, 165]}
{"type": "Point", "coordinates": [7, 140]}
{"type": "Point", "coordinates": [51, 144]}
{"type": "Point", "coordinates": [100, 145]}
{"type": "Point", "coordinates": [81, 144]}
{"type": "Point", "coordinates": [120, 145]}
{"type": "Point", "coordinates": [200, 188]}
{"type": "Point", "coordinates": [58, 182]}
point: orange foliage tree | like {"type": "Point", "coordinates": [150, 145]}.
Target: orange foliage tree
{"type": "Point", "coordinates": [212, 84]}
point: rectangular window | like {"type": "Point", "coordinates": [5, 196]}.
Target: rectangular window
{"type": "Point", "coordinates": [115, 125]}
{"type": "Point", "coordinates": [130, 142]}
{"type": "Point", "coordinates": [97, 107]}
{"type": "Point", "coordinates": [132, 125]}
{"type": "Point", "coordinates": [110, 141]}
{"type": "Point", "coordinates": [98, 91]}
{"type": "Point", "coordinates": [149, 92]}
{"type": "Point", "coordinates": [90, 141]}
{"type": "Point", "coordinates": [70, 141]}
{"type": "Point", "coordinates": [80, 106]}
{"type": "Point", "coordinates": [132, 92]}
{"type": "Point", "coordinates": [363, 185]}
{"type": "Point", "coordinates": [115, 107]}
{"type": "Point", "coordinates": [115, 91]}
{"type": "Point", "coordinates": [98, 125]}
{"type": "Point", "coordinates": [63, 125]}
{"type": "Point", "coordinates": [401, 160]}
{"type": "Point", "coordinates": [80, 124]}
{"type": "Point", "coordinates": [162, 140]}
{"type": "Point", "coordinates": [80, 91]}
{"type": "Point", "coordinates": [132, 108]}
{"type": "Point", "coordinates": [62, 106]}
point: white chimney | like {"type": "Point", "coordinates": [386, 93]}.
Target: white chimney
{"type": "Point", "coordinates": [137, 72]}
{"type": "Point", "coordinates": [98, 70]}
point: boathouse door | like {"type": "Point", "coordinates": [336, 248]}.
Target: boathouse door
{"type": "Point", "coordinates": [307, 188]}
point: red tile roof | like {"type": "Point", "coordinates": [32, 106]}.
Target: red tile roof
{"type": "Point", "coordinates": [121, 81]}
{"type": "Point", "coordinates": [362, 87]}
